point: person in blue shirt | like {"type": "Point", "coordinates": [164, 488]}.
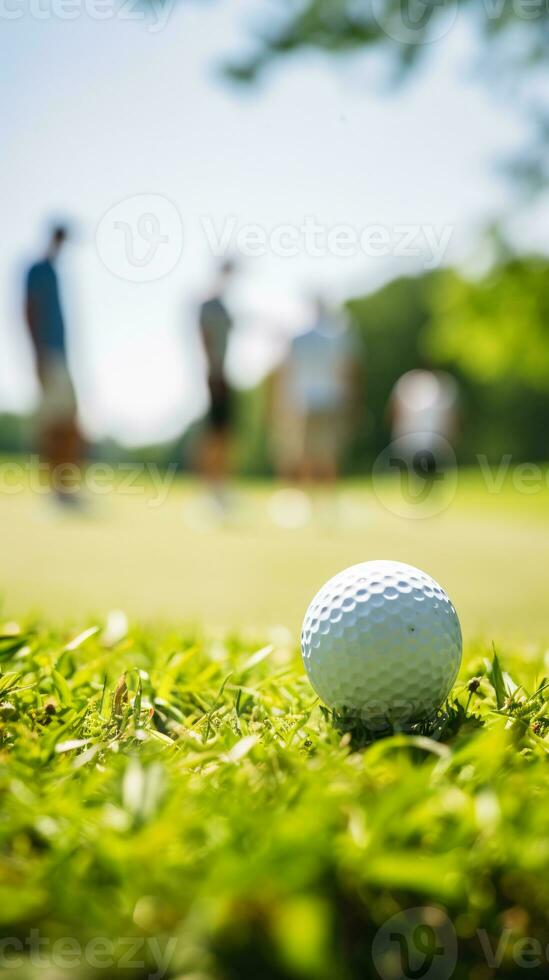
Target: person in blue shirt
{"type": "Point", "coordinates": [59, 437]}
{"type": "Point", "coordinates": [43, 304]}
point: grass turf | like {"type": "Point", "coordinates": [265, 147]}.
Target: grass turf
{"type": "Point", "coordinates": [161, 563]}
{"type": "Point", "coordinates": [190, 795]}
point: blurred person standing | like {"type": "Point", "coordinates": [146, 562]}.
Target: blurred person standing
{"type": "Point", "coordinates": [423, 411]}
{"type": "Point", "coordinates": [216, 325]}
{"type": "Point", "coordinates": [314, 394]}
{"type": "Point", "coordinates": [59, 440]}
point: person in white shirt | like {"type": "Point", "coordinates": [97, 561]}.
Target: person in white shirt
{"type": "Point", "coordinates": [315, 391]}
{"type": "Point", "coordinates": [424, 414]}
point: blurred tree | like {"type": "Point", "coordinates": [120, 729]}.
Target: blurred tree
{"type": "Point", "coordinates": [15, 433]}
{"type": "Point", "coordinates": [390, 323]}
{"type": "Point", "coordinates": [514, 47]}
{"type": "Point", "coordinates": [497, 328]}
{"type": "Point", "coordinates": [492, 334]}
{"type": "Point", "coordinates": [403, 27]}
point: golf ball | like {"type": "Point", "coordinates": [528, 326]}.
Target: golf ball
{"type": "Point", "coordinates": [381, 642]}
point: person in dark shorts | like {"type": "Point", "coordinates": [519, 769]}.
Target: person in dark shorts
{"type": "Point", "coordinates": [59, 439]}
{"type": "Point", "coordinates": [215, 329]}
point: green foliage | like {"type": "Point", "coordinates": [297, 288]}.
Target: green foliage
{"type": "Point", "coordinates": [161, 785]}
{"type": "Point", "coordinates": [492, 334]}
{"type": "Point", "coordinates": [513, 46]}
{"type": "Point", "coordinates": [15, 433]}
{"type": "Point", "coordinates": [253, 450]}
{"type": "Point", "coordinates": [390, 323]}
{"type": "Point", "coordinates": [402, 28]}
{"type": "Point", "coordinates": [496, 329]}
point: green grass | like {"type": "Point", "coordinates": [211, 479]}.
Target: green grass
{"type": "Point", "coordinates": [488, 550]}
{"type": "Point", "coordinates": [182, 788]}
{"type": "Point", "coordinates": [169, 786]}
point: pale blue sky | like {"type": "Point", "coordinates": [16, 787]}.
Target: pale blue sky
{"type": "Point", "coordinates": [102, 111]}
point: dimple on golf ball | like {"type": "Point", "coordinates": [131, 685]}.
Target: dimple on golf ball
{"type": "Point", "coordinates": [381, 642]}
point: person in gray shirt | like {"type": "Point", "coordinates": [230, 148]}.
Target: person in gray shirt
{"type": "Point", "coordinates": [216, 325]}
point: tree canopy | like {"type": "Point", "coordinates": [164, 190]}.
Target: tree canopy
{"type": "Point", "coordinates": [496, 329]}
{"type": "Point", "coordinates": [404, 28]}
{"type": "Point", "coordinates": [513, 51]}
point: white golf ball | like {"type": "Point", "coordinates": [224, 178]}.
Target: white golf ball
{"type": "Point", "coordinates": [381, 642]}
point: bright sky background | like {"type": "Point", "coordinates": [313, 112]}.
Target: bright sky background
{"type": "Point", "coordinates": [100, 111]}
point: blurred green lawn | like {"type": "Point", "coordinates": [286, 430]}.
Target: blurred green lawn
{"type": "Point", "coordinates": [166, 563]}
